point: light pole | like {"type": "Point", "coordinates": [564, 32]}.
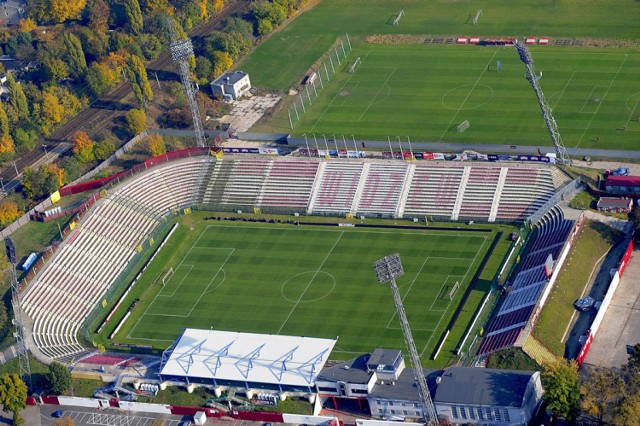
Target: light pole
{"type": "Point", "coordinates": [307, 142]}
{"type": "Point", "coordinates": [16, 168]}
{"type": "Point", "coordinates": [336, 143]}
{"type": "Point", "coordinates": [46, 154]}
{"type": "Point", "coordinates": [2, 183]}
{"type": "Point", "coordinates": [317, 147]}
{"type": "Point", "coordinates": [326, 144]}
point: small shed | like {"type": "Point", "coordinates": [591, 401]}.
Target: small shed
{"type": "Point", "coordinates": [615, 205]}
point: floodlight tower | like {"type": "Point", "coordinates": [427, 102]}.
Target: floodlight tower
{"type": "Point", "coordinates": [525, 57]}
{"type": "Point", "coordinates": [388, 269]}
{"type": "Point", "coordinates": [181, 51]}
{"type": "Point", "coordinates": [23, 354]}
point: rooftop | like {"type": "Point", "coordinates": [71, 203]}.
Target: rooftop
{"type": "Point", "coordinates": [613, 202]}
{"type": "Point", "coordinates": [352, 371]}
{"type": "Point", "coordinates": [384, 357]}
{"type": "Point", "coordinates": [404, 388]}
{"type": "Point", "coordinates": [248, 357]}
{"type": "Point", "coordinates": [233, 77]}
{"type": "Point", "coordinates": [484, 386]}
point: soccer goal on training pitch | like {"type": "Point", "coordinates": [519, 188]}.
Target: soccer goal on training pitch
{"type": "Point", "coordinates": [355, 64]}
{"type": "Point", "coordinates": [167, 276]}
{"type": "Point", "coordinates": [397, 20]}
{"type": "Point", "coordinates": [463, 126]}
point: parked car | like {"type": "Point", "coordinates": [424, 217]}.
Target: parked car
{"type": "Point", "coordinates": [57, 414]}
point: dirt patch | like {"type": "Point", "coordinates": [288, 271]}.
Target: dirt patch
{"type": "Point", "coordinates": [345, 93]}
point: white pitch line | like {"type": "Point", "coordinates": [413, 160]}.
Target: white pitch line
{"type": "Point", "coordinates": [600, 104]}
{"type": "Point", "coordinates": [377, 93]}
{"type": "Point", "coordinates": [310, 281]}
{"type": "Point", "coordinates": [468, 94]}
{"type": "Point", "coordinates": [563, 90]}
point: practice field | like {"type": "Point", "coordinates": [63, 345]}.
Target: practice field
{"type": "Point", "coordinates": [311, 281]}
{"type": "Point", "coordinates": [281, 61]}
{"type": "Point", "coordinates": [424, 92]}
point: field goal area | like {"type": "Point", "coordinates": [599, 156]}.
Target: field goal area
{"type": "Point", "coordinates": [304, 281]}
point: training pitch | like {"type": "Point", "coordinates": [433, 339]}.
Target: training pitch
{"type": "Point", "coordinates": [424, 92]}
{"type": "Point", "coordinates": [309, 280]}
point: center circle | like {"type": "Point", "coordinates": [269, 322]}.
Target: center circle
{"type": "Point", "coordinates": [308, 287]}
{"type": "Point", "coordinates": [467, 96]}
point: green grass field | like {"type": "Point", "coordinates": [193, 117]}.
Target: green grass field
{"type": "Point", "coordinates": [282, 60]}
{"type": "Point", "coordinates": [311, 281]}
{"type": "Point", "coordinates": [423, 92]}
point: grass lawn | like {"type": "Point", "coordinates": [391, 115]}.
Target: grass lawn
{"type": "Point", "coordinates": [39, 372]}
{"type": "Point", "coordinates": [594, 240]}
{"type": "Point", "coordinates": [424, 92]}
{"type": "Point", "coordinates": [281, 61]}
{"type": "Point", "coordinates": [512, 359]}
{"type": "Point", "coordinates": [307, 280]}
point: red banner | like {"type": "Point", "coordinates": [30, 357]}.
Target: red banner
{"type": "Point", "coordinates": [625, 258]}
{"type": "Point", "coordinates": [584, 350]}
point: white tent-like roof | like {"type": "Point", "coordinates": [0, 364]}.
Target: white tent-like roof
{"type": "Point", "coordinates": [248, 357]}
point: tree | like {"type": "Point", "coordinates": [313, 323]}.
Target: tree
{"type": "Point", "coordinates": [222, 62]}
{"type": "Point", "coordinates": [4, 120]}
{"type": "Point", "coordinates": [136, 121]}
{"type": "Point", "coordinates": [72, 169]}
{"type": "Point", "coordinates": [98, 16]}
{"type": "Point", "coordinates": [25, 139]}
{"type": "Point", "coordinates": [268, 15]}
{"type": "Point", "coordinates": [560, 380]}
{"type": "Point", "coordinates": [139, 81]}
{"type": "Point", "coordinates": [4, 318]}
{"type": "Point", "coordinates": [134, 16]}
{"type": "Point", "coordinates": [155, 145]}
{"type": "Point", "coordinates": [48, 111]}
{"type": "Point", "coordinates": [26, 25]}
{"type": "Point", "coordinates": [9, 212]}
{"type": "Point", "coordinates": [13, 396]}
{"type": "Point", "coordinates": [75, 56]}
{"type": "Point", "coordinates": [59, 378]}
{"type": "Point", "coordinates": [83, 147]}
{"type": "Point", "coordinates": [103, 149]}
{"type": "Point", "coordinates": [235, 43]}
{"type": "Point", "coordinates": [601, 390]}
{"type": "Point", "coordinates": [101, 78]}
{"type": "Point", "coordinates": [57, 11]}
{"type": "Point", "coordinates": [17, 99]}
{"type": "Point", "coordinates": [204, 69]}
{"type": "Point", "coordinates": [7, 147]}
{"type": "Point", "coordinates": [163, 6]}
{"type": "Point", "coordinates": [239, 26]}
{"type": "Point", "coordinates": [218, 5]}
{"type": "Point", "coordinates": [264, 27]}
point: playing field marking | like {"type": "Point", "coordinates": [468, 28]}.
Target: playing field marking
{"type": "Point", "coordinates": [632, 111]}
{"type": "Point", "coordinates": [336, 95]}
{"type": "Point", "coordinates": [563, 90]}
{"type": "Point", "coordinates": [310, 281]}
{"type": "Point", "coordinates": [224, 278]}
{"type": "Point", "coordinates": [600, 104]}
{"type": "Point", "coordinates": [442, 101]}
{"type": "Point", "coordinates": [463, 280]}
{"type": "Point", "coordinates": [378, 93]}
{"type": "Point", "coordinates": [484, 69]}
{"type": "Point", "coordinates": [436, 298]}
{"type": "Point", "coordinates": [426, 259]}
{"type": "Point", "coordinates": [310, 300]}
{"type": "Point", "coordinates": [419, 231]}
{"type": "Point", "coordinates": [179, 284]}
{"type": "Point", "coordinates": [343, 99]}
{"type": "Point", "coordinates": [586, 101]}
{"type": "Point", "coordinates": [146, 312]}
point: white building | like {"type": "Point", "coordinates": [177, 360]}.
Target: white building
{"type": "Point", "coordinates": [231, 85]}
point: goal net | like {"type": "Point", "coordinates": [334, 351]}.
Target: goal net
{"type": "Point", "coordinates": [353, 67]}
{"type": "Point", "coordinates": [397, 20]}
{"type": "Point", "coordinates": [463, 126]}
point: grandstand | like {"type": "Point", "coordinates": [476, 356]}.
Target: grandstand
{"type": "Point", "coordinates": [116, 228]}
{"type": "Point", "coordinates": [518, 309]}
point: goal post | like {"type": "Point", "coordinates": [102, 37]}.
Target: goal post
{"type": "Point", "coordinates": [463, 126]}
{"type": "Point", "coordinates": [167, 276]}
{"type": "Point", "coordinates": [453, 290]}
{"type": "Point", "coordinates": [397, 20]}
{"type": "Point", "coordinates": [355, 64]}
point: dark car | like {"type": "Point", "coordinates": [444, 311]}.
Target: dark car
{"type": "Point", "coordinates": [57, 414]}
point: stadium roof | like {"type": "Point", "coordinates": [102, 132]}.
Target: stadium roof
{"type": "Point", "coordinates": [248, 357]}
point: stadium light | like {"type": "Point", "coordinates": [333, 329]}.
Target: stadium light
{"type": "Point", "coordinates": [388, 268]}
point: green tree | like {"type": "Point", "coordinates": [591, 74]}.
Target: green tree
{"type": "Point", "coordinates": [204, 69]}
{"type": "Point", "coordinates": [4, 320]}
{"type": "Point", "coordinates": [17, 99]}
{"type": "Point", "coordinates": [25, 139]}
{"type": "Point", "coordinates": [100, 78]}
{"type": "Point", "coordinates": [76, 61]}
{"type": "Point", "coordinates": [134, 16]}
{"type": "Point", "coordinates": [4, 121]}
{"type": "Point", "coordinates": [59, 378]}
{"type": "Point", "coordinates": [103, 149]}
{"type": "Point", "coordinates": [137, 75]}
{"type": "Point", "coordinates": [238, 25]}
{"type": "Point", "coordinates": [83, 147]}
{"type": "Point", "coordinates": [136, 121]}
{"type": "Point", "coordinates": [268, 15]}
{"type": "Point", "coordinates": [98, 16]}
{"type": "Point", "coordinates": [72, 169]}
{"type": "Point", "coordinates": [562, 394]}
{"type": "Point", "coordinates": [235, 43]}
{"type": "Point", "coordinates": [222, 62]}
{"type": "Point", "coordinates": [13, 396]}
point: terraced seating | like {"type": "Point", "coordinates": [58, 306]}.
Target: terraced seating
{"type": "Point", "coordinates": [479, 193]}
{"type": "Point", "coordinates": [518, 305]}
{"type": "Point", "coordinates": [289, 184]}
{"type": "Point", "coordinates": [382, 189]}
{"type": "Point", "coordinates": [525, 190]}
{"type": "Point", "coordinates": [433, 191]}
{"type": "Point", "coordinates": [337, 188]}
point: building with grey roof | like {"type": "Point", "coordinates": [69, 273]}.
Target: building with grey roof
{"type": "Point", "coordinates": [231, 85]}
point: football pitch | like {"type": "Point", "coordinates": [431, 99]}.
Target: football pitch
{"type": "Point", "coordinates": [424, 92]}
{"type": "Point", "coordinates": [311, 281]}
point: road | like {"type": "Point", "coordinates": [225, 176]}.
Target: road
{"type": "Point", "coordinates": [103, 111]}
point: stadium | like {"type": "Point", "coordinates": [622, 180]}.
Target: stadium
{"type": "Point", "coordinates": [130, 214]}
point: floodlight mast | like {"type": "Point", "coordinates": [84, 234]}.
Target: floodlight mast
{"type": "Point", "coordinates": [387, 270]}
{"type": "Point", "coordinates": [24, 368]}
{"type": "Point", "coordinates": [181, 51]}
{"type": "Point", "coordinates": [525, 57]}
